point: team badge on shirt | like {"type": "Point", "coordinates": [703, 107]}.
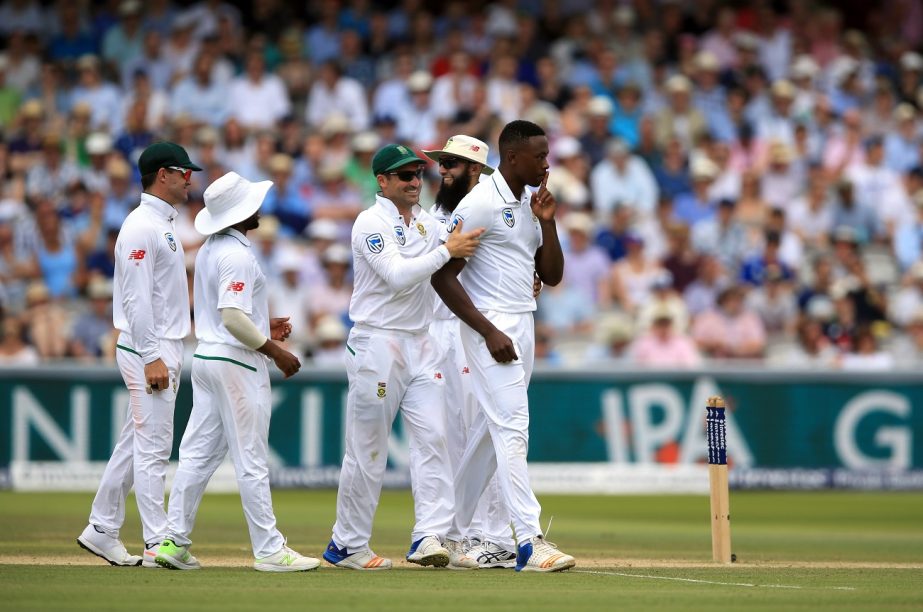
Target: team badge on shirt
{"type": "Point", "coordinates": [382, 389]}
{"type": "Point", "coordinates": [508, 218]}
{"type": "Point", "coordinates": [399, 232]}
{"type": "Point", "coordinates": [421, 228]}
{"type": "Point", "coordinates": [375, 243]}
{"type": "Point", "coordinates": [170, 240]}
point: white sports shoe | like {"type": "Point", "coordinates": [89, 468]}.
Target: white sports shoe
{"type": "Point", "coordinates": [538, 555]}
{"type": "Point", "coordinates": [489, 555]}
{"type": "Point", "coordinates": [105, 546]}
{"type": "Point", "coordinates": [364, 560]}
{"type": "Point", "coordinates": [458, 558]}
{"type": "Point", "coordinates": [428, 550]}
{"type": "Point", "coordinates": [149, 556]}
{"type": "Point", "coordinates": [286, 560]}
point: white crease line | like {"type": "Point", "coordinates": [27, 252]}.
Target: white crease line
{"type": "Point", "coordinates": [695, 580]}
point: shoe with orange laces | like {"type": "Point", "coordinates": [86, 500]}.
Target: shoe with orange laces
{"type": "Point", "coordinates": [539, 555]}
{"type": "Point", "coordinates": [364, 560]}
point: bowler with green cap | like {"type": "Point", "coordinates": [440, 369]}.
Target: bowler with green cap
{"type": "Point", "coordinates": [393, 156]}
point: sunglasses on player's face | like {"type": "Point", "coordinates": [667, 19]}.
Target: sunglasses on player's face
{"type": "Point", "coordinates": [449, 162]}
{"type": "Point", "coordinates": [186, 172]}
{"type": "Point", "coordinates": [408, 175]}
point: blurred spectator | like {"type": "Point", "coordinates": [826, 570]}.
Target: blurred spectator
{"type": "Point", "coordinates": [633, 276]}
{"type": "Point", "coordinates": [358, 170]}
{"type": "Point", "coordinates": [416, 123]}
{"type": "Point", "coordinates": [56, 254]}
{"type": "Point", "coordinates": [908, 238]}
{"type": "Point", "coordinates": [200, 96]}
{"type": "Point", "coordinates": [545, 352]}
{"type": "Point", "coordinates": [152, 62]}
{"type": "Point", "coordinates": [672, 173]}
{"type": "Point", "coordinates": [702, 293]}
{"type": "Point", "coordinates": [866, 354]}
{"type": "Point", "coordinates": [612, 238]}
{"type": "Point", "coordinates": [47, 324]}
{"type": "Point", "coordinates": [93, 330]}
{"type": "Point", "coordinates": [258, 99]}
{"type": "Point", "coordinates": [333, 92]}
{"type": "Point", "coordinates": [723, 236]}
{"type": "Point", "coordinates": [290, 297]}
{"type": "Point", "coordinates": [567, 177]}
{"type": "Point", "coordinates": [10, 96]}
{"type": "Point", "coordinates": [847, 212]}
{"type": "Point", "coordinates": [331, 297]}
{"type": "Point", "coordinates": [775, 303]}
{"type": "Point", "coordinates": [283, 199]}
{"type": "Point", "coordinates": [623, 179]}
{"type": "Point", "coordinates": [813, 349]}
{"type": "Point", "coordinates": [52, 175]}
{"type": "Point", "coordinates": [664, 298]}
{"type": "Point", "coordinates": [731, 330]}
{"type": "Point", "coordinates": [330, 350]}
{"type": "Point", "coordinates": [679, 119]}
{"type": "Point", "coordinates": [596, 138]}
{"type": "Point", "coordinates": [613, 335]}
{"type": "Point", "coordinates": [123, 41]}
{"type": "Point", "coordinates": [782, 181]}
{"type": "Point", "coordinates": [821, 281]}
{"type": "Point", "coordinates": [662, 346]}
{"type": "Point", "coordinates": [754, 268]}
{"type": "Point", "coordinates": [16, 267]}
{"type": "Point", "coordinates": [902, 145]}
{"type": "Point", "coordinates": [878, 188]}
{"type": "Point", "coordinates": [102, 97]}
{"type": "Point", "coordinates": [586, 266]}
{"type": "Point", "coordinates": [810, 215]}
{"type": "Point", "coordinates": [455, 91]}
{"type": "Point", "coordinates": [908, 349]}
{"type": "Point", "coordinates": [908, 301]}
{"type": "Point", "coordinates": [696, 205]}
{"type": "Point", "coordinates": [14, 350]}
{"type": "Point", "coordinates": [681, 259]}
{"type": "Point", "coordinates": [101, 262]}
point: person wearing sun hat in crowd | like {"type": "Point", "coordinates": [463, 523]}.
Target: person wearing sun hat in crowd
{"type": "Point", "coordinates": [151, 311]}
{"type": "Point", "coordinates": [231, 394]}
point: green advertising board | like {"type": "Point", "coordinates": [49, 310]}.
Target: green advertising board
{"type": "Point", "coordinates": [827, 427]}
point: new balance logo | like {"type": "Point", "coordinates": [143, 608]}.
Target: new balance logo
{"type": "Point", "coordinates": [465, 370]}
{"type": "Point", "coordinates": [438, 376]}
{"type": "Point", "coordinates": [137, 254]}
{"type": "Point", "coordinates": [236, 286]}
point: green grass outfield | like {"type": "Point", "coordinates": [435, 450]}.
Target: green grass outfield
{"type": "Point", "coordinates": [823, 551]}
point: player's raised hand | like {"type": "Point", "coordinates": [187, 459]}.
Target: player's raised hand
{"type": "Point", "coordinates": [543, 203]}
{"type": "Point", "coordinates": [280, 328]}
{"type": "Point", "coordinates": [463, 244]}
{"type": "Point", "coordinates": [501, 347]}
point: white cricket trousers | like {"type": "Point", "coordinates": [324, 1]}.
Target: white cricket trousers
{"type": "Point", "coordinates": [390, 370]}
{"type": "Point", "coordinates": [231, 408]}
{"type": "Point", "coordinates": [142, 452]}
{"type": "Point", "coordinates": [499, 439]}
{"type": "Point", "coordinates": [491, 520]}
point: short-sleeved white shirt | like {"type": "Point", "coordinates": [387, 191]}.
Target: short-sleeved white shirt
{"type": "Point", "coordinates": [392, 264]}
{"type": "Point", "coordinates": [500, 274]}
{"type": "Point", "coordinates": [227, 275]}
{"type": "Point", "coordinates": [150, 299]}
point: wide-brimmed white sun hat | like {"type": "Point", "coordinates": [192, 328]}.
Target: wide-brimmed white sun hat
{"type": "Point", "coordinates": [228, 201]}
{"type": "Point", "coordinates": [464, 147]}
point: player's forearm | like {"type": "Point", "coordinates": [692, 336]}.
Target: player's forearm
{"type": "Point", "coordinates": [141, 326]}
{"type": "Point", "coordinates": [549, 261]}
{"type": "Point", "coordinates": [242, 328]}
{"type": "Point", "coordinates": [450, 290]}
{"type": "Point", "coordinates": [402, 273]}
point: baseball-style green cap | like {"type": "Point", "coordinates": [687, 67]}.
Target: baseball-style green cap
{"type": "Point", "coordinates": [163, 154]}
{"type": "Point", "coordinates": [393, 156]}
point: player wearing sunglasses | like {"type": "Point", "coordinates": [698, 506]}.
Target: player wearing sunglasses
{"type": "Point", "coordinates": [393, 363]}
{"type": "Point", "coordinates": [150, 305]}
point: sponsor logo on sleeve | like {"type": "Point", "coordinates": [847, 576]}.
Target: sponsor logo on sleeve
{"type": "Point", "coordinates": [235, 286]}
{"type": "Point", "coordinates": [375, 243]}
{"type": "Point", "coordinates": [399, 234]}
{"type": "Point", "coordinates": [508, 217]}
{"type": "Point", "coordinates": [136, 255]}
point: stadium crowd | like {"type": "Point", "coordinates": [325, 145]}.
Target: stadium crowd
{"type": "Point", "coordinates": [736, 180]}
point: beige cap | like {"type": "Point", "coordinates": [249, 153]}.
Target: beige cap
{"type": "Point", "coordinates": [331, 170]}
{"type": "Point", "coordinates": [911, 60]}
{"type": "Point", "coordinates": [281, 163]}
{"type": "Point", "coordinates": [87, 60]}
{"type": "Point", "coordinates": [465, 147]}
{"type": "Point", "coordinates": [32, 109]}
{"type": "Point", "coordinates": [99, 289]}
{"type": "Point", "coordinates": [330, 329]}
{"type": "Point", "coordinates": [780, 153]}
{"type": "Point", "coordinates": [703, 168]}
{"type": "Point", "coordinates": [579, 222]}
{"type": "Point", "coordinates": [783, 89]}
{"type": "Point", "coordinates": [118, 168]}
{"type": "Point", "coordinates": [337, 253]}
{"type": "Point", "coordinates": [678, 83]}
{"type": "Point", "coordinates": [366, 142]}
{"type": "Point", "coordinates": [99, 143]}
{"type": "Point", "coordinates": [708, 61]}
{"type": "Point", "coordinates": [600, 106]}
{"type": "Point", "coordinates": [905, 112]}
{"type": "Point", "coordinates": [335, 123]}
{"type": "Point", "coordinates": [421, 80]}
{"type": "Point", "coordinates": [804, 67]}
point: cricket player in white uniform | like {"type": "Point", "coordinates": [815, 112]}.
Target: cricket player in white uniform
{"type": "Point", "coordinates": [150, 308]}
{"type": "Point", "coordinates": [488, 539]}
{"type": "Point", "coordinates": [232, 399]}
{"type": "Point", "coordinates": [393, 363]}
{"type": "Point", "coordinates": [495, 302]}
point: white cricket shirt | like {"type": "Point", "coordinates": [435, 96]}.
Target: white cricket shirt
{"type": "Point", "coordinates": [150, 298]}
{"type": "Point", "coordinates": [227, 275]}
{"type": "Point", "coordinates": [392, 264]}
{"type": "Point", "coordinates": [500, 274]}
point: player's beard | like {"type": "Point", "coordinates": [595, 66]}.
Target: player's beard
{"type": "Point", "coordinates": [448, 196]}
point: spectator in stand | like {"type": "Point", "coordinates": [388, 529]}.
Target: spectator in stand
{"type": "Point", "coordinates": [867, 355]}
{"type": "Point", "coordinates": [847, 212]}
{"type": "Point", "coordinates": [723, 236]}
{"type": "Point", "coordinates": [330, 349]}
{"type": "Point", "coordinates": [200, 96]}
{"type": "Point", "coordinates": [331, 297]}
{"type": "Point", "coordinates": [613, 238]}
{"type": "Point", "coordinates": [812, 351]}
{"type": "Point", "coordinates": [672, 173]}
{"type": "Point", "coordinates": [730, 330]}
{"type": "Point", "coordinates": [416, 123]}
{"type": "Point", "coordinates": [775, 303]}
{"type": "Point", "coordinates": [622, 178]}
{"type": "Point", "coordinates": [702, 294]}
{"type": "Point", "coordinates": [454, 92]}
{"type": "Point", "coordinates": [586, 266]}
{"type": "Point", "coordinates": [333, 92]}
{"type": "Point", "coordinates": [810, 215]}
{"type": "Point", "coordinates": [613, 335]}
{"type": "Point", "coordinates": [93, 330]}
{"type": "Point", "coordinates": [879, 188]}
{"type": "Point", "coordinates": [908, 239]}
{"type": "Point", "coordinates": [696, 206]}
{"type": "Point", "coordinates": [754, 269]}
{"type": "Point", "coordinates": [782, 182]}
{"type": "Point", "coordinates": [632, 277]}
{"type": "Point", "coordinates": [908, 300]}
{"type": "Point", "coordinates": [627, 113]}
{"type": "Point", "coordinates": [103, 98]}
{"type": "Point", "coordinates": [14, 348]}
{"type": "Point", "coordinates": [567, 177]}
{"type": "Point", "coordinates": [597, 136]}
{"type": "Point", "coordinates": [283, 200]}
{"type": "Point", "coordinates": [663, 346]}
{"type": "Point", "coordinates": [289, 294]}
{"type": "Point", "coordinates": [902, 145]}
{"type": "Point", "coordinates": [258, 99]}
{"type": "Point", "coordinates": [908, 349]}
{"type": "Point", "coordinates": [47, 323]}
{"type": "Point", "coordinates": [680, 119]}
{"type": "Point", "coordinates": [52, 175]}
{"type": "Point", "coordinates": [664, 297]}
